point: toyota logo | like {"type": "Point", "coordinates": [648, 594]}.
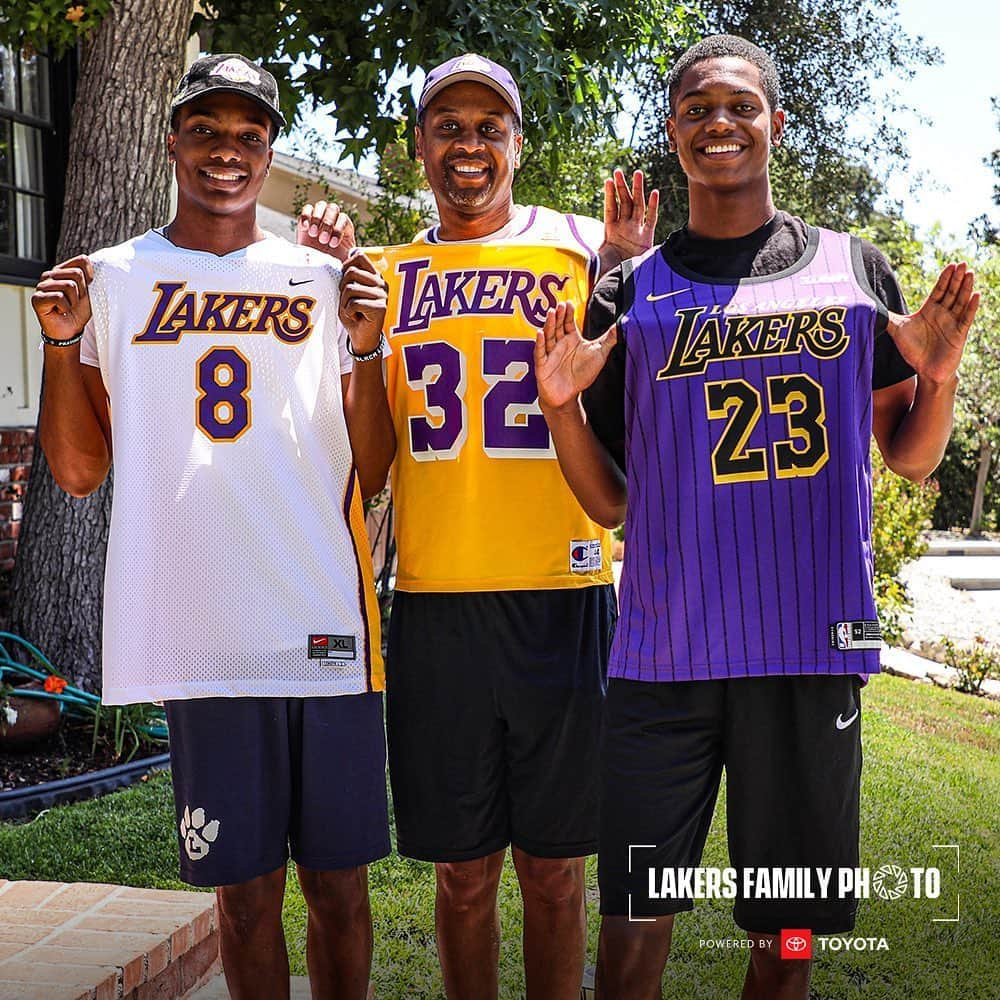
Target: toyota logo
{"type": "Point", "coordinates": [796, 944]}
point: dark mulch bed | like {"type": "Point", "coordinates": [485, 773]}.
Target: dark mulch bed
{"type": "Point", "coordinates": [68, 753]}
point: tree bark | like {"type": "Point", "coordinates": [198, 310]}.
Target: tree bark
{"type": "Point", "coordinates": [117, 186]}
{"type": "Point", "coordinates": [982, 474]}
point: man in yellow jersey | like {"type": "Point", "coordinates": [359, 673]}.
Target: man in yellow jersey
{"type": "Point", "coordinates": [504, 608]}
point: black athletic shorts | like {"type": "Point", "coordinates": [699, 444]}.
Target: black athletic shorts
{"type": "Point", "coordinates": [494, 704]}
{"type": "Point", "coordinates": [254, 777]}
{"type": "Point", "coordinates": [791, 747]}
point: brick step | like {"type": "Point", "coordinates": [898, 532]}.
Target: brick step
{"type": "Point", "coordinates": [83, 941]}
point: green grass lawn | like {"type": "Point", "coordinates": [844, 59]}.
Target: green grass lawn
{"type": "Point", "coordinates": [931, 777]}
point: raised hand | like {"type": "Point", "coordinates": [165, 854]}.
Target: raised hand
{"type": "Point", "coordinates": [61, 300]}
{"type": "Point", "coordinates": [629, 220]}
{"type": "Point", "coordinates": [565, 363]}
{"type": "Point", "coordinates": [326, 227]}
{"type": "Point", "coordinates": [932, 339]}
{"type": "Point", "coordinates": [363, 302]}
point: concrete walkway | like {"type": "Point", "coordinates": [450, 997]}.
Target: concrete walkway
{"type": "Point", "coordinates": [216, 989]}
{"type": "Point", "coordinates": [946, 544]}
{"type": "Point", "coordinates": [968, 563]}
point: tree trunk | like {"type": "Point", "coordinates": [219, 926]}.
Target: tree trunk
{"type": "Point", "coordinates": [985, 457]}
{"type": "Point", "coordinates": [117, 186]}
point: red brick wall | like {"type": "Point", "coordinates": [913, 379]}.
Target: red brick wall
{"type": "Point", "coordinates": [17, 444]}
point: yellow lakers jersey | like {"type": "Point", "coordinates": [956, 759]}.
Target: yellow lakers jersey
{"type": "Point", "coordinates": [480, 501]}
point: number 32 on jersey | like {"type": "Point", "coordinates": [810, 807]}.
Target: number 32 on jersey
{"type": "Point", "coordinates": [512, 422]}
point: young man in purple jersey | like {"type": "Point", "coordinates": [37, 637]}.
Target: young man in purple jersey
{"type": "Point", "coordinates": [730, 405]}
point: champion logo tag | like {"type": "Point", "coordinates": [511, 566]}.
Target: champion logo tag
{"type": "Point", "coordinates": [585, 555]}
{"type": "Point", "coordinates": [332, 647]}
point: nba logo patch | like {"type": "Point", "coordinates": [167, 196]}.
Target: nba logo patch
{"type": "Point", "coordinates": [862, 634]}
{"type": "Point", "coordinates": [843, 635]}
{"type": "Point", "coordinates": [585, 555]}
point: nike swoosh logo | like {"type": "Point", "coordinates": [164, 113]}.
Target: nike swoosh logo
{"type": "Point", "coordinates": [843, 723]}
{"type": "Point", "coordinates": [666, 295]}
{"type": "Point", "coordinates": [304, 281]}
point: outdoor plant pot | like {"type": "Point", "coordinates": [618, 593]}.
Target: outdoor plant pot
{"type": "Point", "coordinates": [37, 720]}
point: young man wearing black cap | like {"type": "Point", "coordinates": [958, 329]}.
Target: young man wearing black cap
{"type": "Point", "coordinates": [746, 366]}
{"type": "Point", "coordinates": [504, 605]}
{"type": "Point", "coordinates": [247, 424]}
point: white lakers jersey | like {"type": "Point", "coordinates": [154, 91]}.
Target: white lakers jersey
{"type": "Point", "coordinates": [237, 560]}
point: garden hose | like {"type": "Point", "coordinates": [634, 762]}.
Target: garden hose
{"type": "Point", "coordinates": [72, 700]}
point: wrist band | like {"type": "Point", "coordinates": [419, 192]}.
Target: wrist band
{"type": "Point", "coordinates": [53, 342]}
{"type": "Point", "coordinates": [371, 355]}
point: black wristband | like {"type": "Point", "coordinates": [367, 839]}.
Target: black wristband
{"type": "Point", "coordinates": [53, 342]}
{"type": "Point", "coordinates": [371, 355]}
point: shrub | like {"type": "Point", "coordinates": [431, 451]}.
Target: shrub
{"type": "Point", "coordinates": [901, 513]}
{"type": "Point", "coordinates": [974, 664]}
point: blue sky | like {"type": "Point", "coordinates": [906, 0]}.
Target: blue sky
{"type": "Point", "coordinates": [955, 97]}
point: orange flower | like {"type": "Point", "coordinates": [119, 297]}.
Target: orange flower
{"type": "Point", "coordinates": [54, 685]}
{"type": "Point", "coordinates": [75, 14]}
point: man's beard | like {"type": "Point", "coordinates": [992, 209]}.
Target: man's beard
{"type": "Point", "coordinates": [468, 198]}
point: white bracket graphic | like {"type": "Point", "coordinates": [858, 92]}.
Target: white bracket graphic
{"type": "Point", "coordinates": [958, 899]}
{"type": "Point", "coordinates": [637, 920]}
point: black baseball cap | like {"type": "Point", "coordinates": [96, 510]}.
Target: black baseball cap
{"type": "Point", "coordinates": [235, 74]}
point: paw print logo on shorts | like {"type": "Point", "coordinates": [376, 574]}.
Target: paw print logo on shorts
{"type": "Point", "coordinates": [197, 834]}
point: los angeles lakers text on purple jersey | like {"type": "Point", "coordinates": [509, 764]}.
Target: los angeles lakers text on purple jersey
{"type": "Point", "coordinates": [748, 411]}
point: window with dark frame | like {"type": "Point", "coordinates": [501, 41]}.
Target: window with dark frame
{"type": "Point", "coordinates": [32, 163]}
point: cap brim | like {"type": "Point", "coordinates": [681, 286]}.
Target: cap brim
{"type": "Point", "coordinates": [465, 76]}
{"type": "Point", "coordinates": [276, 116]}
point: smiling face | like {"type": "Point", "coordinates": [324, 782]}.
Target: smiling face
{"type": "Point", "coordinates": [221, 145]}
{"type": "Point", "coordinates": [470, 147]}
{"type": "Point", "coordinates": [722, 128]}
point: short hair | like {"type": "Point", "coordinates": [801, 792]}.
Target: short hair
{"type": "Point", "coordinates": [720, 47]}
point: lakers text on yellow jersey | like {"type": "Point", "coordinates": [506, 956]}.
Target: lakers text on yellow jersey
{"type": "Point", "coordinates": [480, 501]}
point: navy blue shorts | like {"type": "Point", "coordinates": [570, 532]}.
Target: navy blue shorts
{"type": "Point", "coordinates": [258, 778]}
{"type": "Point", "coordinates": [494, 714]}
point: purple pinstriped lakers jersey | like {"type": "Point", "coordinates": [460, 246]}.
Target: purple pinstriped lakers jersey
{"type": "Point", "coordinates": [748, 411]}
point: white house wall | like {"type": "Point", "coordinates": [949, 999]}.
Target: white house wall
{"type": "Point", "coordinates": [20, 359]}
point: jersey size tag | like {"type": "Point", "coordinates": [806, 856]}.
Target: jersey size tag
{"type": "Point", "coordinates": [332, 647]}
{"type": "Point", "coordinates": [585, 555]}
{"type": "Point", "coordinates": [856, 635]}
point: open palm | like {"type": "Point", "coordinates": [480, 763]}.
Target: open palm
{"type": "Point", "coordinates": [932, 339]}
{"type": "Point", "coordinates": [565, 363]}
{"type": "Point", "coordinates": [629, 219]}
